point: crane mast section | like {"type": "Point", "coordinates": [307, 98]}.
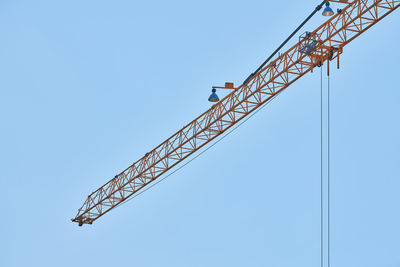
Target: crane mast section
{"type": "Point", "coordinates": [329, 40]}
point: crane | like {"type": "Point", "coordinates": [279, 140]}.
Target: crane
{"type": "Point", "coordinates": [324, 44]}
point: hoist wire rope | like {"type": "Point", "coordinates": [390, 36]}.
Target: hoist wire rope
{"type": "Point", "coordinates": [329, 173]}
{"type": "Point", "coordinates": [321, 175]}
{"type": "Point", "coordinates": [328, 158]}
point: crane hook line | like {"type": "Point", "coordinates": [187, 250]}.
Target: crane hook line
{"type": "Point", "coordinates": [322, 176]}
{"type": "Point", "coordinates": [329, 176]}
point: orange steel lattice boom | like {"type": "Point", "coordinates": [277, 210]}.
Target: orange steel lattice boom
{"type": "Point", "coordinates": [322, 45]}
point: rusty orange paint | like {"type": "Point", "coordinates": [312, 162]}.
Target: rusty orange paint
{"type": "Point", "coordinates": [357, 17]}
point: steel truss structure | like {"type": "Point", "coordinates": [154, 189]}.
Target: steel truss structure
{"type": "Point", "coordinates": [354, 19]}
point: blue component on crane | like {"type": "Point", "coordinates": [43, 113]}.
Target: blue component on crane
{"type": "Point", "coordinates": [213, 97]}
{"type": "Point", "coordinates": [327, 10]}
{"type": "Point", "coordinates": [308, 42]}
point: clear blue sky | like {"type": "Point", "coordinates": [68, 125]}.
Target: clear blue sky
{"type": "Point", "coordinates": [88, 87]}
